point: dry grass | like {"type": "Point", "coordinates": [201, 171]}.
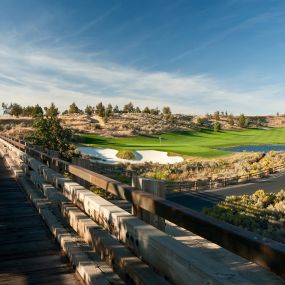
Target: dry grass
{"type": "Point", "coordinates": [124, 125]}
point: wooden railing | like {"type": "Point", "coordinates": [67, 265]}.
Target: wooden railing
{"type": "Point", "coordinates": [211, 184]}
{"type": "Point", "coordinates": [263, 251]}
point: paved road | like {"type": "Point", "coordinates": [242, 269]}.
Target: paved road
{"type": "Point", "coordinates": [197, 201]}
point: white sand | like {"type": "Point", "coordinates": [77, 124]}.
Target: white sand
{"type": "Point", "coordinates": [109, 156]}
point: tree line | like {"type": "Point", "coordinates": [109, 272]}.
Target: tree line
{"type": "Point", "coordinates": [48, 131]}
{"type": "Point", "coordinates": [241, 121]}
{"type": "Point", "coordinates": [15, 109]}
{"type": "Point", "coordinates": [104, 111]}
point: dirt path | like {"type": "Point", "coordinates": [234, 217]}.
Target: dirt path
{"type": "Point", "coordinates": [100, 120]}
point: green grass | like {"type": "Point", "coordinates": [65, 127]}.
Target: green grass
{"type": "Point", "coordinates": [192, 143]}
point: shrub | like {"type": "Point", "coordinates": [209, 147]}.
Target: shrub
{"type": "Point", "coordinates": [8, 127]}
{"type": "Point", "coordinates": [73, 109]}
{"type": "Point", "coordinates": [203, 122]}
{"type": "Point", "coordinates": [243, 122]}
{"type": "Point", "coordinates": [231, 120]}
{"type": "Point", "coordinates": [260, 212]}
{"type": "Point", "coordinates": [51, 135]}
{"type": "Point", "coordinates": [217, 126]}
{"type": "Point", "coordinates": [126, 154]}
{"type": "Point", "coordinates": [98, 191]}
{"type": "Point", "coordinates": [217, 115]}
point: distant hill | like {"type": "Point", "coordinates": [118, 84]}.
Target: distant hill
{"type": "Point", "coordinates": [131, 124]}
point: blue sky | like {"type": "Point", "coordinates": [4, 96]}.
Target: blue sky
{"type": "Point", "coordinates": [195, 56]}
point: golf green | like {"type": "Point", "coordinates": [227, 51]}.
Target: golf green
{"type": "Point", "coordinates": [204, 143]}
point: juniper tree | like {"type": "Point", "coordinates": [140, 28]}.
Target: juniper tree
{"type": "Point", "coordinates": [73, 109]}
{"type": "Point", "coordinates": [49, 133]}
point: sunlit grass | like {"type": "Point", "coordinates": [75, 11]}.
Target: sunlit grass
{"type": "Point", "coordinates": [205, 143]}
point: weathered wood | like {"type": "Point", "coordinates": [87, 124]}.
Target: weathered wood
{"type": "Point", "coordinates": [28, 253]}
{"type": "Point", "coordinates": [263, 251]}
{"type": "Point", "coordinates": [154, 205]}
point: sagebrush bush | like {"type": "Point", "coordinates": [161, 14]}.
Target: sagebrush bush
{"type": "Point", "coordinates": [240, 165]}
{"type": "Point", "coordinates": [261, 212]}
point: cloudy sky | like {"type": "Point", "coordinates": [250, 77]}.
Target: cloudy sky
{"type": "Point", "coordinates": [196, 56]}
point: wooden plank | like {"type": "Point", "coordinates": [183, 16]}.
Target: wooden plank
{"type": "Point", "coordinates": [20, 236]}
{"type": "Point", "coordinates": [33, 264]}
{"type": "Point", "coordinates": [28, 253]}
{"type": "Point", "coordinates": [16, 211]}
{"type": "Point", "coordinates": [28, 221]}
{"type": "Point", "coordinates": [27, 249]}
{"type": "Point", "coordinates": [28, 217]}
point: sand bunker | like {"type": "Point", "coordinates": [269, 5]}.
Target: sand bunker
{"type": "Point", "coordinates": [108, 155]}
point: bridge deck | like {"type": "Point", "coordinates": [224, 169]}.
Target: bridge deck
{"type": "Point", "coordinates": [28, 253]}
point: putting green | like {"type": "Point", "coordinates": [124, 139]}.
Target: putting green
{"type": "Point", "coordinates": [204, 143]}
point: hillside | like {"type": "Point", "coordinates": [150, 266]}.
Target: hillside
{"type": "Point", "coordinates": [132, 124]}
{"type": "Point", "coordinates": [116, 125]}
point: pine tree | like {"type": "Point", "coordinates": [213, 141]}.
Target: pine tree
{"type": "Point", "coordinates": [73, 109]}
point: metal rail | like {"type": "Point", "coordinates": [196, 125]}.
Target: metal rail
{"type": "Point", "coordinates": [265, 252]}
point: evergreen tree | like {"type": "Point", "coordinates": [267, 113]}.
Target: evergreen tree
{"type": "Point", "coordinates": [129, 108]}
{"type": "Point", "coordinates": [242, 121]}
{"type": "Point", "coordinates": [27, 111]}
{"type": "Point", "coordinates": [217, 126]}
{"type": "Point", "coordinates": [137, 110]}
{"type": "Point", "coordinates": [154, 111]}
{"type": "Point", "coordinates": [49, 133]}
{"type": "Point", "coordinates": [37, 111]}
{"type": "Point", "coordinates": [4, 107]}
{"type": "Point", "coordinates": [146, 110]}
{"type": "Point", "coordinates": [13, 109]}
{"type": "Point", "coordinates": [231, 120]}
{"type": "Point", "coordinates": [89, 110]}
{"type": "Point", "coordinates": [217, 116]}
{"type": "Point", "coordinates": [166, 110]}
{"type": "Point", "coordinates": [109, 110]}
{"type": "Point", "coordinates": [52, 110]}
{"type": "Point", "coordinates": [73, 109]}
{"type": "Point", "coordinates": [116, 109]}
{"type": "Point", "coordinates": [100, 110]}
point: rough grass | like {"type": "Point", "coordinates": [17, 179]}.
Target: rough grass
{"type": "Point", "coordinates": [205, 143]}
{"type": "Point", "coordinates": [126, 154]}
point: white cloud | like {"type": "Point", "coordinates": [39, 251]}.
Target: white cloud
{"type": "Point", "coordinates": [30, 76]}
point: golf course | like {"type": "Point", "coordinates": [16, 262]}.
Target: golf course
{"type": "Point", "coordinates": [203, 143]}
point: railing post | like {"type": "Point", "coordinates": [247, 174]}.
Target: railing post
{"type": "Point", "coordinates": [155, 188]}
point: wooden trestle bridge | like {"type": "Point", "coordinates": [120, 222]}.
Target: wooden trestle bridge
{"type": "Point", "coordinates": [56, 231]}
